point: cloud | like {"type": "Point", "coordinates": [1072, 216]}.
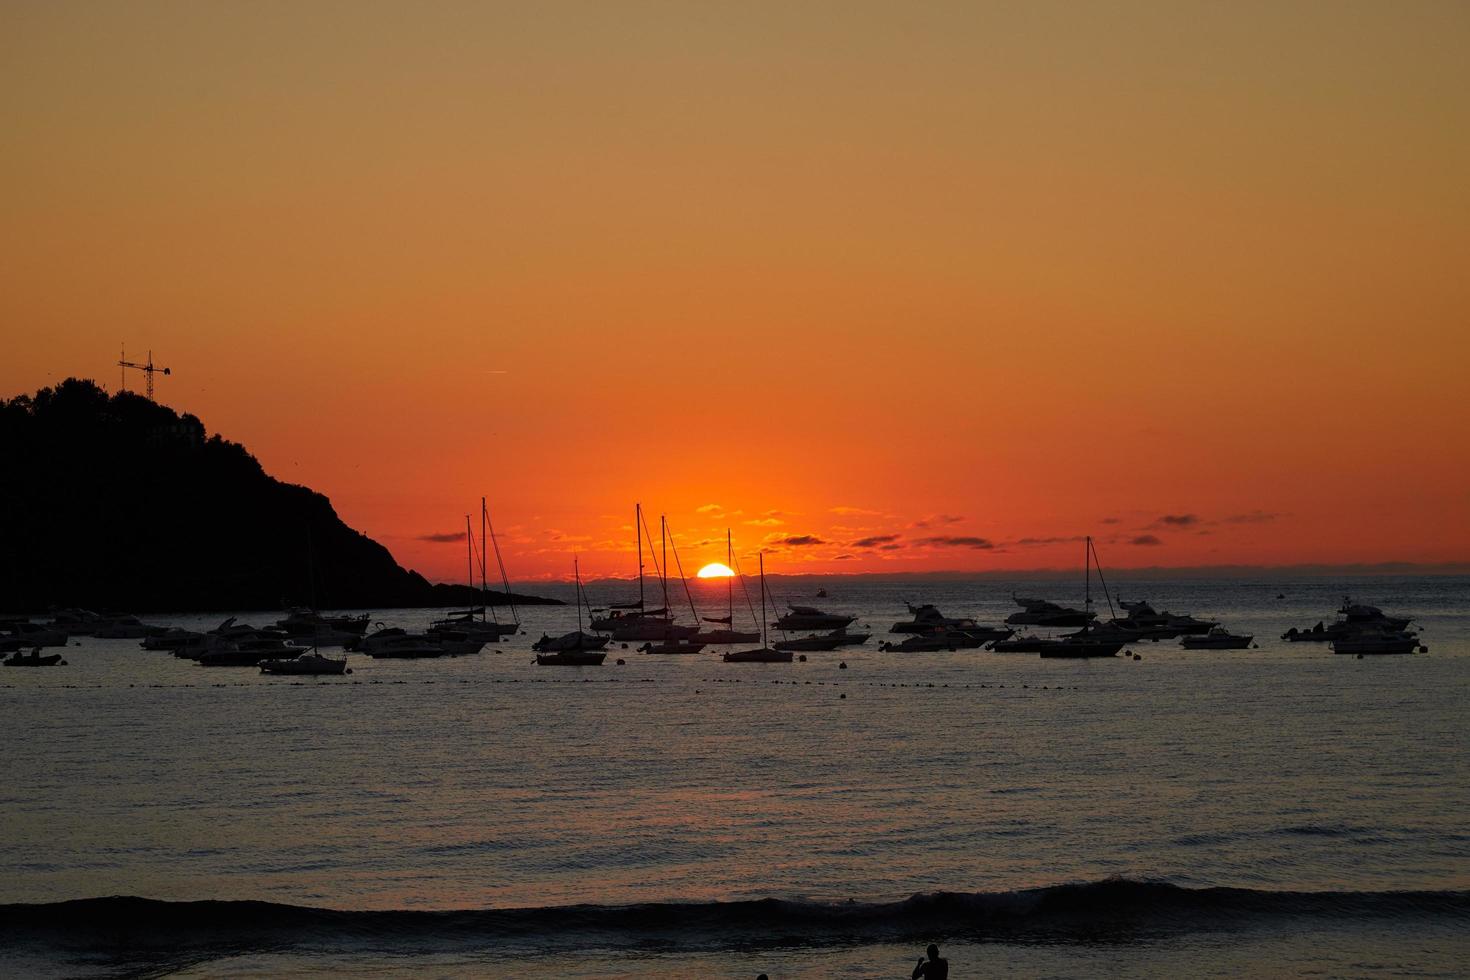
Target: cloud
{"type": "Point", "coordinates": [1178, 520]}
{"type": "Point", "coordinates": [765, 522]}
{"type": "Point", "coordinates": [874, 540]}
{"type": "Point", "coordinates": [1039, 542]}
{"type": "Point", "coordinates": [959, 541]}
{"type": "Point", "coordinates": [448, 538]}
{"type": "Point", "coordinates": [802, 540]}
{"type": "Point", "coordinates": [1254, 517]}
{"type": "Point", "coordinates": [891, 547]}
{"type": "Point", "coordinates": [708, 509]}
{"type": "Point", "coordinates": [1146, 539]}
{"type": "Point", "coordinates": [843, 557]}
{"type": "Point", "coordinates": [850, 511]}
{"type": "Point", "coordinates": [937, 520]}
{"type": "Point", "coordinates": [1112, 520]}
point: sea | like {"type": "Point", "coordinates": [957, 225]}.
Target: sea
{"type": "Point", "coordinates": [1274, 811]}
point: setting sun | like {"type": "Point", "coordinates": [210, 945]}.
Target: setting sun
{"type": "Point", "coordinates": [715, 570]}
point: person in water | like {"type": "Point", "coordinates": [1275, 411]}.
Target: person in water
{"type": "Point", "coordinates": [936, 969]}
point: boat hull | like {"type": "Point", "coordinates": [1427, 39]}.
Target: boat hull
{"type": "Point", "coordinates": [571, 658]}
{"type": "Point", "coordinates": [671, 649]}
{"type": "Point", "coordinates": [1211, 643]}
{"type": "Point", "coordinates": [316, 667]}
{"type": "Point", "coordinates": [50, 660]}
{"type": "Point", "coordinates": [1061, 650]}
{"type": "Point", "coordinates": [757, 657]}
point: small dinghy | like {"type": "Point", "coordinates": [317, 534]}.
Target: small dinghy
{"type": "Point", "coordinates": [34, 659]}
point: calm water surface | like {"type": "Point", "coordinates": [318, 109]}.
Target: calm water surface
{"type": "Point", "coordinates": [486, 782]}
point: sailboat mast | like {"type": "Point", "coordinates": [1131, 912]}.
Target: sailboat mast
{"type": "Point", "coordinates": [577, 577]}
{"type": "Point", "coordinates": [638, 533]}
{"type": "Point", "coordinates": [663, 572]}
{"type": "Point", "coordinates": [765, 644]}
{"type": "Point", "coordinates": [469, 555]}
{"type": "Point", "coordinates": [484, 598]}
{"type": "Point", "coordinates": [500, 563]}
{"type": "Point", "coordinates": [729, 584]}
{"type": "Point", "coordinates": [1087, 572]}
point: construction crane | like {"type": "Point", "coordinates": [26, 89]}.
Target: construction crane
{"type": "Point", "coordinates": [147, 368]}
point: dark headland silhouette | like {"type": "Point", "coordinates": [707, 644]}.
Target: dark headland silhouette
{"type": "Point", "coordinates": [117, 502]}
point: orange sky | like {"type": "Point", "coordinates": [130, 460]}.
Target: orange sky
{"type": "Point", "coordinates": [1011, 271]}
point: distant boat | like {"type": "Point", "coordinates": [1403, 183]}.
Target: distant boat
{"type": "Point", "coordinates": [300, 621]}
{"type": "Point", "coordinates": [34, 659]}
{"type": "Point", "coordinates": [311, 664]}
{"type": "Point", "coordinates": [490, 629]}
{"type": "Point", "coordinates": [634, 621]}
{"type": "Point", "coordinates": [125, 628]}
{"type": "Point", "coordinates": [576, 649]}
{"type": "Point", "coordinates": [393, 643]}
{"type": "Point", "coordinates": [1218, 638]}
{"type": "Point", "coordinates": [1090, 641]}
{"type": "Point", "coordinates": [1377, 642]}
{"type": "Point", "coordinates": [808, 618]}
{"type": "Point", "coordinates": [1149, 624]}
{"type": "Point", "coordinates": [24, 633]}
{"type": "Point", "coordinates": [674, 647]}
{"type": "Point", "coordinates": [1040, 612]}
{"type": "Point", "coordinates": [729, 634]}
{"type": "Point", "coordinates": [820, 641]}
{"type": "Point", "coordinates": [1029, 643]}
{"type": "Point", "coordinates": [249, 652]}
{"type": "Point", "coordinates": [173, 638]}
{"type": "Point", "coordinates": [927, 618]}
{"type": "Point", "coordinates": [1352, 618]}
{"type": "Point", "coordinates": [764, 655]}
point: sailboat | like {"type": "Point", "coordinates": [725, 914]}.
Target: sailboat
{"type": "Point", "coordinates": [729, 634]}
{"type": "Point", "coordinates": [633, 620]}
{"type": "Point", "coordinates": [765, 655]}
{"type": "Point", "coordinates": [572, 649]}
{"type": "Point", "coordinates": [1090, 641]}
{"type": "Point", "coordinates": [491, 629]}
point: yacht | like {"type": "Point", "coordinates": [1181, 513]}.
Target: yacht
{"type": "Point", "coordinates": [932, 642]}
{"type": "Point", "coordinates": [1358, 615]}
{"type": "Point", "coordinates": [1028, 643]}
{"type": "Point", "coordinates": [1352, 618]}
{"type": "Point", "coordinates": [673, 647]}
{"type": "Point", "coordinates": [24, 633]}
{"type": "Point", "coordinates": [1080, 644]}
{"type": "Point", "coordinates": [394, 643]}
{"type": "Point", "coordinates": [818, 642]}
{"type": "Point", "coordinates": [125, 628]}
{"type": "Point", "coordinates": [249, 652]}
{"type": "Point", "coordinates": [808, 618]}
{"type": "Point", "coordinates": [1151, 624]}
{"type": "Point", "coordinates": [1040, 612]}
{"type": "Point", "coordinates": [310, 663]}
{"type": "Point", "coordinates": [173, 638]}
{"type": "Point", "coordinates": [1384, 641]}
{"type": "Point", "coordinates": [1218, 638]}
{"type": "Point", "coordinates": [300, 621]}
